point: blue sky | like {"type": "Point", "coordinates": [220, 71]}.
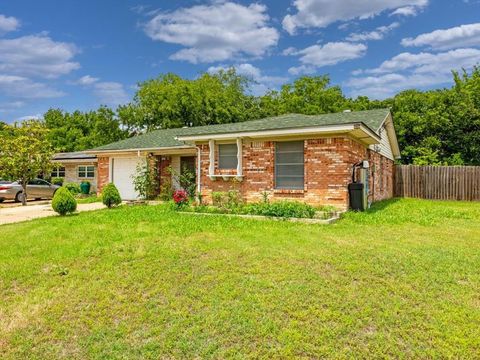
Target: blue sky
{"type": "Point", "coordinates": [79, 54]}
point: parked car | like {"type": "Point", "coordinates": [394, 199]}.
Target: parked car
{"type": "Point", "coordinates": [36, 189]}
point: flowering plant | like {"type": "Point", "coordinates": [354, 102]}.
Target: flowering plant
{"type": "Point", "coordinates": [180, 197]}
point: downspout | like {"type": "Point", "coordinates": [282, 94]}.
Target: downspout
{"type": "Point", "coordinates": [199, 172]}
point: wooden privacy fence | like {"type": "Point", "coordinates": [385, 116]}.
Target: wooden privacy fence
{"type": "Point", "coordinates": [438, 182]}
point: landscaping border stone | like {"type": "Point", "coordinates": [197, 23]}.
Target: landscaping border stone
{"type": "Point", "coordinates": [261, 217]}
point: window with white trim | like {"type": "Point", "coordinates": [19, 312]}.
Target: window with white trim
{"type": "Point", "coordinates": [289, 165]}
{"type": "Point", "coordinates": [227, 156]}
{"type": "Point", "coordinates": [87, 171]}
{"type": "Point", "coordinates": [58, 172]}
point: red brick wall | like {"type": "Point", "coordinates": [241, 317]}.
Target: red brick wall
{"type": "Point", "coordinates": [328, 166]}
{"type": "Point", "coordinates": [381, 177]}
{"type": "Point", "coordinates": [103, 173]}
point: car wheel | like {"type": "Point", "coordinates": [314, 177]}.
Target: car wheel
{"type": "Point", "coordinates": [19, 197]}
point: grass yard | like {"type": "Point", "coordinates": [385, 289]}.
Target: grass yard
{"type": "Point", "coordinates": [401, 281]}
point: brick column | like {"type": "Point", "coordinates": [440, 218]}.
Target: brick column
{"type": "Point", "coordinates": [103, 173]}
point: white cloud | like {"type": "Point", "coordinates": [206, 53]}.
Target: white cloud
{"type": "Point", "coordinates": [110, 93]}
{"type": "Point", "coordinates": [331, 53]}
{"type": "Point", "coordinates": [24, 88]}
{"type": "Point", "coordinates": [8, 23]}
{"type": "Point", "coordinates": [406, 11]}
{"type": "Point", "coordinates": [11, 106]}
{"type": "Point", "coordinates": [263, 83]}
{"type": "Point", "coordinates": [86, 80]}
{"type": "Point", "coordinates": [215, 32]}
{"type": "Point", "coordinates": [30, 117]}
{"type": "Point", "coordinates": [321, 13]}
{"type": "Point", "coordinates": [37, 55]}
{"type": "Point", "coordinates": [428, 63]}
{"type": "Point", "coordinates": [453, 38]}
{"type": "Point", "coordinates": [408, 71]}
{"type": "Point", "coordinates": [378, 34]}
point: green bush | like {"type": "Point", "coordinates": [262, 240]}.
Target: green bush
{"type": "Point", "coordinates": [166, 190]}
{"type": "Point", "coordinates": [57, 181]}
{"type": "Point", "coordinates": [145, 179]}
{"type": "Point", "coordinates": [229, 200]}
{"type": "Point", "coordinates": [73, 188]}
{"type": "Point", "coordinates": [287, 209]}
{"type": "Point", "coordinates": [63, 202]}
{"type": "Point", "coordinates": [219, 198]}
{"type": "Point", "coordinates": [111, 196]}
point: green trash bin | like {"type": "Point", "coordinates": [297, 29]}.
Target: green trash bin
{"type": "Point", "coordinates": [85, 187]}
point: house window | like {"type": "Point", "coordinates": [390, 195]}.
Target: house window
{"type": "Point", "coordinates": [289, 165]}
{"type": "Point", "coordinates": [227, 156]}
{"type": "Point", "coordinates": [58, 172]}
{"type": "Point", "coordinates": [86, 171]}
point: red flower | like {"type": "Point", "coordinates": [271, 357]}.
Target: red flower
{"type": "Point", "coordinates": [180, 197]}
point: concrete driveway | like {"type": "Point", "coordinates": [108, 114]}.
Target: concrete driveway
{"type": "Point", "coordinates": [14, 214]}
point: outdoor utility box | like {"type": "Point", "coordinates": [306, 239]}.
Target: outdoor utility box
{"type": "Point", "coordinates": [357, 195]}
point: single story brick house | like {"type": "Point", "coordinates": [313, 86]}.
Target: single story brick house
{"type": "Point", "coordinates": [75, 167]}
{"type": "Point", "coordinates": [308, 158]}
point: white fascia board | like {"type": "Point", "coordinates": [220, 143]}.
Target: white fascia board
{"type": "Point", "coordinates": [67, 161]}
{"type": "Point", "coordinates": [186, 147]}
{"type": "Point", "coordinates": [280, 132]}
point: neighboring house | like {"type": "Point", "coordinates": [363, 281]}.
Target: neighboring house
{"type": "Point", "coordinates": [75, 167]}
{"type": "Point", "coordinates": [302, 157]}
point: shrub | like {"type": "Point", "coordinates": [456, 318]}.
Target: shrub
{"type": "Point", "coordinates": [166, 189]}
{"type": "Point", "coordinates": [228, 200]}
{"type": "Point", "coordinates": [145, 179]}
{"type": "Point", "coordinates": [234, 199]}
{"type": "Point", "coordinates": [57, 181]}
{"type": "Point", "coordinates": [186, 180]}
{"type": "Point", "coordinates": [73, 188]}
{"type": "Point", "coordinates": [180, 197]}
{"type": "Point", "coordinates": [63, 201]}
{"type": "Point", "coordinates": [218, 198]}
{"type": "Point", "coordinates": [111, 196]}
{"type": "Point", "coordinates": [286, 209]}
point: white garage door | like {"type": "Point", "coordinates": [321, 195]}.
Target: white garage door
{"type": "Point", "coordinates": [123, 170]}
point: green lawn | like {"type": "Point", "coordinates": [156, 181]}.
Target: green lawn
{"type": "Point", "coordinates": [401, 281]}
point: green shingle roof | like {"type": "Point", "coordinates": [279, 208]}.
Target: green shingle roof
{"type": "Point", "coordinates": [150, 140]}
{"type": "Point", "coordinates": [167, 138]}
{"type": "Point", "coordinates": [371, 118]}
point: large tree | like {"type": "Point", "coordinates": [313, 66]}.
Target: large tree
{"type": "Point", "coordinates": [171, 101]}
{"type": "Point", "coordinates": [25, 154]}
{"type": "Point", "coordinates": [439, 127]}
{"type": "Point", "coordinates": [308, 95]}
{"type": "Point", "coordinates": [82, 130]}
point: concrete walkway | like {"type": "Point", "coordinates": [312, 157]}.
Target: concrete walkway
{"type": "Point", "coordinates": [9, 215]}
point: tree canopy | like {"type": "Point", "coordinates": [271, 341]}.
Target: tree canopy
{"type": "Point", "coordinates": [434, 127]}
{"type": "Point", "coordinates": [82, 130]}
{"type": "Point", "coordinates": [25, 154]}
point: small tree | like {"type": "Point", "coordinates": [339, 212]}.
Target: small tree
{"type": "Point", "coordinates": [111, 196]}
{"type": "Point", "coordinates": [186, 179]}
{"type": "Point", "coordinates": [63, 202]}
{"type": "Point", "coordinates": [25, 154]}
{"type": "Point", "coordinates": [145, 179]}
